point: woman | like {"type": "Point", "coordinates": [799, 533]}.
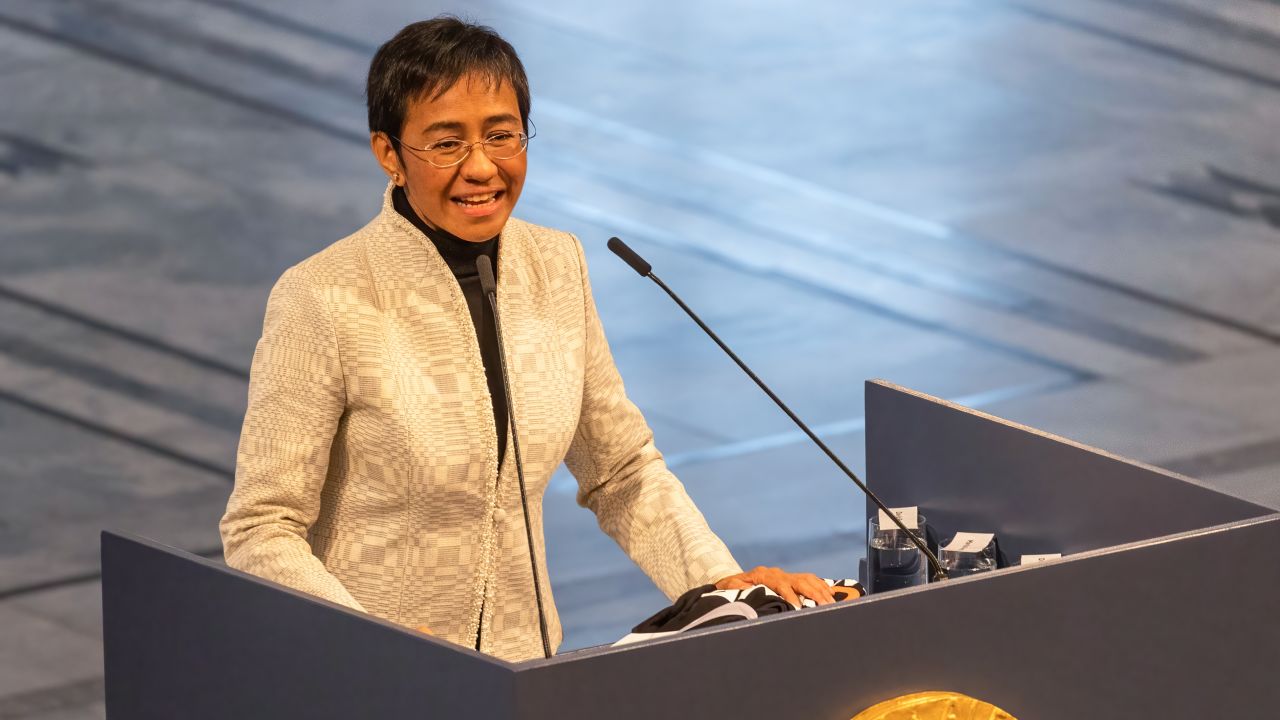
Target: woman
{"type": "Point", "coordinates": [373, 468]}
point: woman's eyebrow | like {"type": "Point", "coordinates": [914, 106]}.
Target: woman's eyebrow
{"type": "Point", "coordinates": [504, 117]}
{"type": "Point", "coordinates": [444, 125]}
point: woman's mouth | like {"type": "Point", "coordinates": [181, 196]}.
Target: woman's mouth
{"type": "Point", "coordinates": [478, 204]}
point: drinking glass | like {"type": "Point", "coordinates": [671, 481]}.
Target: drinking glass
{"type": "Point", "coordinates": [959, 563]}
{"type": "Point", "coordinates": [893, 561]}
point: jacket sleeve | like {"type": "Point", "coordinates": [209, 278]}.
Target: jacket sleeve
{"type": "Point", "coordinates": [623, 479]}
{"type": "Point", "coordinates": [296, 399]}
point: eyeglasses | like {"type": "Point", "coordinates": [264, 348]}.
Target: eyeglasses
{"type": "Point", "coordinates": [501, 145]}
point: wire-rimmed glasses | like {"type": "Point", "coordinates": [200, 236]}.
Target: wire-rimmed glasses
{"type": "Point", "coordinates": [499, 145]}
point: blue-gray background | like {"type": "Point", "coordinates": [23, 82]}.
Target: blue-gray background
{"type": "Point", "coordinates": [1067, 214]}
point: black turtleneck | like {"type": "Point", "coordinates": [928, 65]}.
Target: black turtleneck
{"type": "Point", "coordinates": [461, 256]}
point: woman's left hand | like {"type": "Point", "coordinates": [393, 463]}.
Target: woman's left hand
{"type": "Point", "coordinates": [789, 585]}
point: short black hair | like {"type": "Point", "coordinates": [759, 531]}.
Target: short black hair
{"type": "Point", "coordinates": [426, 58]}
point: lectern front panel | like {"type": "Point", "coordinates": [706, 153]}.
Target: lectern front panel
{"type": "Point", "coordinates": [1178, 629]}
{"type": "Point", "coordinates": [189, 638]}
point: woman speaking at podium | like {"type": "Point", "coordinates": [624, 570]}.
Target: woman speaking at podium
{"type": "Point", "coordinates": [374, 467]}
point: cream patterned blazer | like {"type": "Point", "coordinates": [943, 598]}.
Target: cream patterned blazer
{"type": "Point", "coordinates": [367, 471]}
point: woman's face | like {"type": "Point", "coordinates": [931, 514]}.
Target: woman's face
{"type": "Point", "coordinates": [473, 199]}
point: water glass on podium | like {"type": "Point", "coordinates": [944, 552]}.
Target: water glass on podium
{"type": "Point", "coordinates": [893, 561]}
{"type": "Point", "coordinates": [969, 554]}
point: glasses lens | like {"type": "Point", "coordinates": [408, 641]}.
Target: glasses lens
{"type": "Point", "coordinates": [447, 152]}
{"type": "Point", "coordinates": [503, 146]}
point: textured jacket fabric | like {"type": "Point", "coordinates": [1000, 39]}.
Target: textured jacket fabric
{"type": "Point", "coordinates": [367, 469]}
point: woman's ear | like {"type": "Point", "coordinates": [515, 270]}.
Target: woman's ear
{"type": "Point", "coordinates": [387, 156]}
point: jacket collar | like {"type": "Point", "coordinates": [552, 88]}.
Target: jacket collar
{"type": "Point", "coordinates": [510, 239]}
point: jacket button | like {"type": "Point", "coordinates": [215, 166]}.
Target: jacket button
{"type": "Point", "coordinates": [500, 515]}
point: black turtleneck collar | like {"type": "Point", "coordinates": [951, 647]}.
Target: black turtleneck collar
{"type": "Point", "coordinates": [458, 253]}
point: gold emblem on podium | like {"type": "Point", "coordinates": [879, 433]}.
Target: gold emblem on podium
{"type": "Point", "coordinates": [933, 705]}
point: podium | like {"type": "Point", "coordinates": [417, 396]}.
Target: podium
{"type": "Point", "coordinates": [1162, 607]}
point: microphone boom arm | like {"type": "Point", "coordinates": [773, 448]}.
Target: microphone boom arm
{"type": "Point", "coordinates": [645, 270]}
{"type": "Point", "coordinates": [489, 287]}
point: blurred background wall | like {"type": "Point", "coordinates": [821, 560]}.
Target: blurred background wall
{"type": "Point", "coordinates": [1066, 214]}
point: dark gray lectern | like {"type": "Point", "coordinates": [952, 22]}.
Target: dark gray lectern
{"type": "Point", "coordinates": [1164, 607]}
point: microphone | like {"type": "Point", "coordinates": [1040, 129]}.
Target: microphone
{"type": "Point", "coordinates": [644, 269]}
{"type": "Point", "coordinates": [490, 289]}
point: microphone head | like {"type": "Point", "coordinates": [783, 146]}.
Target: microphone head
{"type": "Point", "coordinates": [630, 257]}
{"type": "Point", "coordinates": [484, 268]}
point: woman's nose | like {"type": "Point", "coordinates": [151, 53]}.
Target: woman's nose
{"type": "Point", "coordinates": [477, 165]}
